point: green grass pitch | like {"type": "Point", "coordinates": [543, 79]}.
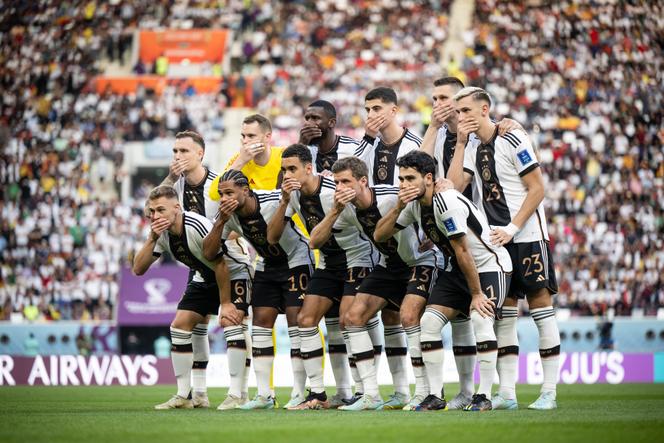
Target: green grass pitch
{"type": "Point", "coordinates": [588, 413]}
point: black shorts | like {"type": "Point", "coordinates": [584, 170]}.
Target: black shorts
{"type": "Point", "coordinates": [394, 285]}
{"type": "Point", "coordinates": [201, 298]}
{"type": "Point", "coordinates": [533, 268]}
{"type": "Point", "coordinates": [451, 290]}
{"type": "Point", "coordinates": [280, 288]}
{"type": "Point", "coordinates": [241, 294]}
{"type": "Point", "coordinates": [335, 284]}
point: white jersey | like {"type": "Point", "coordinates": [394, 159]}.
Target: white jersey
{"type": "Point", "coordinates": [381, 159]}
{"type": "Point", "coordinates": [497, 168]}
{"type": "Point", "coordinates": [292, 249]}
{"type": "Point", "coordinates": [344, 147]}
{"type": "Point", "coordinates": [187, 248]}
{"type": "Point", "coordinates": [346, 248]}
{"type": "Point", "coordinates": [197, 199]}
{"type": "Point", "coordinates": [444, 152]}
{"type": "Point", "coordinates": [457, 216]}
{"type": "Point", "coordinates": [399, 252]}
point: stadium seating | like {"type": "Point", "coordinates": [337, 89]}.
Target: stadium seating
{"type": "Point", "coordinates": [586, 84]}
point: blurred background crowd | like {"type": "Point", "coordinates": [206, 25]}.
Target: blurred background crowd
{"type": "Point", "coordinates": [584, 78]}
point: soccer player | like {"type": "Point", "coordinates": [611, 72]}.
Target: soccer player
{"type": "Point", "coordinates": [511, 190]}
{"type": "Point", "coordinates": [385, 141]}
{"type": "Point", "coordinates": [258, 159]}
{"type": "Point", "coordinates": [181, 234]}
{"type": "Point", "coordinates": [439, 142]}
{"type": "Point", "coordinates": [345, 258]}
{"type": "Point", "coordinates": [192, 182]}
{"type": "Point", "coordinates": [401, 281]}
{"type": "Point", "coordinates": [476, 279]}
{"type": "Point", "coordinates": [318, 132]}
{"type": "Point", "coordinates": [281, 277]}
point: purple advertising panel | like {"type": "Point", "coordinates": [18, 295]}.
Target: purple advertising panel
{"type": "Point", "coordinates": [76, 370]}
{"type": "Point", "coordinates": [589, 368]}
{"type": "Point", "coordinates": [152, 298]}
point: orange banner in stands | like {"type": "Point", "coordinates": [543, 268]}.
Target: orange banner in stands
{"type": "Point", "coordinates": [240, 92]}
{"type": "Point", "coordinates": [196, 45]}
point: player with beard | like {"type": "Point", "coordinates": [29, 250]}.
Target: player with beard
{"type": "Point", "coordinates": [318, 132]}
{"type": "Point", "coordinates": [475, 282]}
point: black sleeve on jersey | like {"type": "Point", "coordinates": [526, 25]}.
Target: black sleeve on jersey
{"type": "Point", "coordinates": [469, 171]}
{"type": "Point", "coordinates": [369, 139]}
{"type": "Point", "coordinates": [455, 236]}
{"type": "Point", "coordinates": [529, 169]}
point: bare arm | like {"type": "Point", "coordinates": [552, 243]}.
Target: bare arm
{"type": "Point", "coordinates": [534, 183]}
{"type": "Point", "coordinates": [467, 264]}
{"type": "Point", "coordinates": [439, 115]}
{"type": "Point", "coordinates": [213, 240]}
{"type": "Point", "coordinates": [278, 222]}
{"type": "Point", "coordinates": [144, 258]}
{"type": "Point", "coordinates": [323, 230]}
{"type": "Point", "coordinates": [228, 309]}
{"type": "Point", "coordinates": [455, 173]}
{"type": "Point", "coordinates": [175, 170]}
{"type": "Point", "coordinates": [385, 228]}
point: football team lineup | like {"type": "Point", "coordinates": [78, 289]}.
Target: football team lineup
{"type": "Point", "coordinates": [414, 233]}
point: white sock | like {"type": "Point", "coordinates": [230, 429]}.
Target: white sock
{"type": "Point", "coordinates": [201, 354]}
{"type": "Point", "coordinates": [415, 351]}
{"type": "Point", "coordinates": [263, 356]}
{"type": "Point", "coordinates": [353, 367]}
{"type": "Point", "coordinates": [487, 351]}
{"type": "Point", "coordinates": [236, 351]}
{"type": "Point", "coordinates": [549, 345]}
{"type": "Point", "coordinates": [508, 352]}
{"type": "Point", "coordinates": [299, 373]}
{"type": "Point", "coordinates": [182, 357]}
{"type": "Point", "coordinates": [465, 354]}
{"type": "Point", "coordinates": [373, 327]}
{"type": "Point", "coordinates": [396, 350]}
{"type": "Point", "coordinates": [431, 343]}
{"type": "Point", "coordinates": [336, 350]}
{"type": "Point", "coordinates": [312, 357]}
{"type": "Point", "coordinates": [247, 365]}
{"type": "Point", "coordinates": [362, 348]}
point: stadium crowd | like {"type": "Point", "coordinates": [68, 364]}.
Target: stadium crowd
{"type": "Point", "coordinates": [586, 80]}
{"type": "Point", "coordinates": [585, 84]}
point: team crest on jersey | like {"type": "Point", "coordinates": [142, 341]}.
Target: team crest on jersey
{"type": "Point", "coordinates": [486, 174]}
{"type": "Point", "coordinates": [382, 172]}
{"type": "Point", "coordinates": [524, 157]}
{"type": "Point", "coordinates": [312, 220]}
{"type": "Point", "coordinates": [450, 225]}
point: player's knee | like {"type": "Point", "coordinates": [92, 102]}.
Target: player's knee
{"type": "Point", "coordinates": [305, 320]}
{"type": "Point", "coordinates": [410, 318]}
{"type": "Point", "coordinates": [354, 318]}
{"type": "Point", "coordinates": [390, 317]}
{"type": "Point", "coordinates": [539, 299]}
{"type": "Point", "coordinates": [182, 324]}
